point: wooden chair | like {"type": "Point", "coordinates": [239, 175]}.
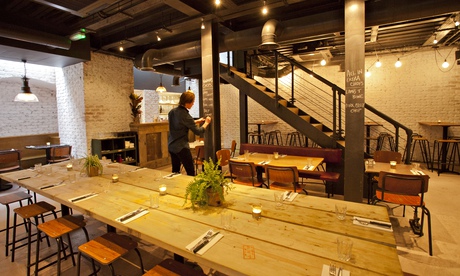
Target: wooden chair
{"type": "Point", "coordinates": [60, 154]}
{"type": "Point", "coordinates": [170, 267]}
{"type": "Point", "coordinates": [224, 156]}
{"type": "Point", "coordinates": [244, 173]}
{"type": "Point", "coordinates": [10, 160]}
{"type": "Point", "coordinates": [233, 148]}
{"type": "Point", "coordinates": [387, 156]}
{"type": "Point", "coordinates": [106, 249]}
{"type": "Point", "coordinates": [406, 190]}
{"type": "Point", "coordinates": [282, 177]}
{"type": "Point", "coordinates": [199, 158]}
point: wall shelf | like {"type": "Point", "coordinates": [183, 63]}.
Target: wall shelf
{"type": "Point", "coordinates": [113, 148]}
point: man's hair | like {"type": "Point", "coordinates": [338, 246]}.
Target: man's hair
{"type": "Point", "coordinates": [186, 97]}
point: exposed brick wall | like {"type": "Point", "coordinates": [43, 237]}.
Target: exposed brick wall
{"type": "Point", "coordinates": [27, 118]}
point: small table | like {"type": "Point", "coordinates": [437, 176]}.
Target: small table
{"type": "Point", "coordinates": [445, 128]}
{"type": "Point", "coordinates": [47, 148]}
{"type": "Point", "coordinates": [259, 124]}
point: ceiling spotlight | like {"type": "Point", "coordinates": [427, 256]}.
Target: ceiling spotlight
{"type": "Point", "coordinates": [217, 2]}
{"type": "Point", "coordinates": [121, 48]}
{"type": "Point", "coordinates": [202, 23]}
{"type": "Point", "coordinates": [445, 64]}
{"type": "Point", "coordinates": [323, 62]}
{"type": "Point", "coordinates": [378, 64]}
{"type": "Point", "coordinates": [264, 9]}
{"type": "Point", "coordinates": [368, 73]}
{"type": "Point", "coordinates": [398, 63]}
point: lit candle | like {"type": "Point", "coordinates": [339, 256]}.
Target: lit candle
{"type": "Point", "coordinates": [256, 211]}
{"type": "Point", "coordinates": [114, 178]}
{"type": "Point", "coordinates": [393, 164]}
{"type": "Point", "coordinates": [69, 166]}
{"type": "Point", "coordinates": [162, 189]}
{"type": "Point", "coordinates": [48, 143]}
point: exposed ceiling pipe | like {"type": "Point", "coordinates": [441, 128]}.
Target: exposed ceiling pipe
{"type": "Point", "coordinates": [269, 32]}
{"type": "Point", "coordinates": [35, 37]}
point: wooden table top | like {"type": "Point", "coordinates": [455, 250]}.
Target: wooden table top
{"type": "Point", "coordinates": [296, 240]}
{"type": "Point", "coordinates": [385, 166]}
{"type": "Point", "coordinates": [284, 160]}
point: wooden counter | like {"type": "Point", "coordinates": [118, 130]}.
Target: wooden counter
{"type": "Point", "coordinates": [152, 143]}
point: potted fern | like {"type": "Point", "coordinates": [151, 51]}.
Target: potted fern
{"type": "Point", "coordinates": [92, 165]}
{"type": "Point", "coordinates": [208, 187]}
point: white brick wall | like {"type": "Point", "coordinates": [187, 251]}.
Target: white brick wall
{"type": "Point", "coordinates": [27, 118]}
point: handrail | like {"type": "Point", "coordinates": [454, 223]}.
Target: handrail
{"type": "Point", "coordinates": [337, 94]}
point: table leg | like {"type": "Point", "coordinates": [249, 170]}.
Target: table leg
{"type": "Point", "coordinates": [368, 142]}
{"type": "Point", "coordinates": [443, 150]}
{"type": "Point", "coordinates": [258, 132]}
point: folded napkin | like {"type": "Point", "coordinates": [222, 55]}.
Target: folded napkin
{"type": "Point", "coordinates": [132, 215]}
{"type": "Point", "coordinates": [291, 196]}
{"type": "Point", "coordinates": [263, 162]}
{"type": "Point", "coordinates": [308, 168]}
{"type": "Point", "coordinates": [283, 155]}
{"type": "Point", "coordinates": [203, 250]}
{"type": "Point", "coordinates": [83, 197]}
{"type": "Point", "coordinates": [325, 271]}
{"type": "Point", "coordinates": [417, 172]}
{"type": "Point", "coordinates": [171, 175]}
{"type": "Point", "coordinates": [376, 224]}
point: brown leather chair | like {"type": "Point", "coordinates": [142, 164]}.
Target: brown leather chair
{"type": "Point", "coordinates": [60, 154]}
{"type": "Point", "coordinates": [244, 173]}
{"type": "Point", "coordinates": [199, 158]}
{"type": "Point", "coordinates": [282, 178]}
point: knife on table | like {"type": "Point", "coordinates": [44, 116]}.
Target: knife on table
{"type": "Point", "coordinates": [381, 224]}
{"type": "Point", "coordinates": [288, 195]}
{"type": "Point", "coordinates": [132, 214]}
{"type": "Point", "coordinates": [204, 242]}
{"type": "Point", "coordinates": [83, 197]}
{"type": "Point", "coordinates": [52, 185]}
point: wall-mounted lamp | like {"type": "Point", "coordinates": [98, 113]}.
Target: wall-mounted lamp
{"type": "Point", "coordinates": [398, 63]}
{"type": "Point", "coordinates": [161, 88]}
{"type": "Point", "coordinates": [26, 95]}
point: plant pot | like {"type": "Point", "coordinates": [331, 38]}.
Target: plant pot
{"type": "Point", "coordinates": [213, 198]}
{"type": "Point", "coordinates": [92, 171]}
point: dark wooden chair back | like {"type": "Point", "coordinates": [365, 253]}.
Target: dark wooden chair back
{"type": "Point", "coordinates": [282, 177]}
{"type": "Point", "coordinates": [387, 156]}
{"type": "Point", "coordinates": [10, 160]}
{"type": "Point", "coordinates": [60, 154]}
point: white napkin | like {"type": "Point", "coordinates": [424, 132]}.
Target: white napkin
{"type": "Point", "coordinates": [325, 271]}
{"type": "Point", "coordinates": [82, 197]}
{"type": "Point", "coordinates": [291, 198]}
{"type": "Point", "coordinates": [138, 215]}
{"type": "Point", "coordinates": [171, 175]}
{"type": "Point", "coordinates": [308, 168]}
{"type": "Point", "coordinates": [356, 222]}
{"type": "Point", "coordinates": [206, 247]}
{"type": "Point", "coordinates": [416, 172]}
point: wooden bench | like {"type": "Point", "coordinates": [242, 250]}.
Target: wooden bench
{"type": "Point", "coordinates": [332, 158]}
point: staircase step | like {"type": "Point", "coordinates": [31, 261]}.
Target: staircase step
{"type": "Point", "coordinates": [283, 102]}
{"type": "Point", "coordinates": [294, 110]}
{"type": "Point", "coordinates": [306, 118]}
{"type": "Point", "coordinates": [318, 126]}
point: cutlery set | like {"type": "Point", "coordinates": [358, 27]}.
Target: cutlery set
{"type": "Point", "coordinates": [375, 223]}
{"type": "Point", "coordinates": [132, 214]}
{"type": "Point", "coordinates": [204, 241]}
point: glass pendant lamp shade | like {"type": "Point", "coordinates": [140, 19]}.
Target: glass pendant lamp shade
{"type": "Point", "coordinates": [26, 95]}
{"type": "Point", "coordinates": [161, 88]}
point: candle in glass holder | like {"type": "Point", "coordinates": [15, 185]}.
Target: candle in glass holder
{"type": "Point", "coordinates": [393, 164]}
{"type": "Point", "coordinates": [114, 177]}
{"type": "Point", "coordinates": [257, 211]}
{"type": "Point", "coordinates": [162, 189]}
{"type": "Point", "coordinates": [69, 166]}
{"type": "Point", "coordinates": [48, 143]}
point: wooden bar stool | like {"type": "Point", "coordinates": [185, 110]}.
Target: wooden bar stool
{"type": "Point", "coordinates": [7, 200]}
{"type": "Point", "coordinates": [56, 229]}
{"type": "Point", "coordinates": [384, 136]}
{"type": "Point", "coordinates": [106, 249]}
{"type": "Point", "coordinates": [292, 138]}
{"type": "Point", "coordinates": [170, 267]}
{"type": "Point", "coordinates": [424, 146]}
{"type": "Point", "coordinates": [28, 212]}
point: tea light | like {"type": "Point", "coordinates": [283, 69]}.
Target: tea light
{"type": "Point", "coordinates": [114, 178]}
{"type": "Point", "coordinates": [69, 166]}
{"type": "Point", "coordinates": [257, 212]}
{"type": "Point", "coordinates": [48, 143]}
{"type": "Point", "coordinates": [393, 164]}
{"type": "Point", "coordinates": [162, 189]}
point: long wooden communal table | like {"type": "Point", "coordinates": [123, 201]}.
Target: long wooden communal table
{"type": "Point", "coordinates": [287, 160]}
{"type": "Point", "coordinates": [296, 240]}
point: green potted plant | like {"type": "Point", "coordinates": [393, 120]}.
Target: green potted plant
{"type": "Point", "coordinates": [92, 165]}
{"type": "Point", "coordinates": [208, 187]}
{"type": "Point", "coordinates": [135, 106]}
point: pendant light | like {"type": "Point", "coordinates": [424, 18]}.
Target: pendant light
{"type": "Point", "coordinates": [26, 95]}
{"type": "Point", "coordinates": [161, 88]}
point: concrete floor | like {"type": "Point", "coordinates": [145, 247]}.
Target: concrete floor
{"type": "Point", "coordinates": [412, 249]}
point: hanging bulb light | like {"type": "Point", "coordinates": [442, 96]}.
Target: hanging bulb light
{"type": "Point", "coordinates": [26, 95]}
{"type": "Point", "coordinates": [264, 9]}
{"type": "Point", "coordinates": [368, 73]}
{"type": "Point", "coordinates": [445, 64]}
{"type": "Point", "coordinates": [158, 37]}
{"type": "Point", "coordinates": [202, 23]}
{"type": "Point", "coordinates": [398, 63]}
{"type": "Point", "coordinates": [435, 41]}
{"type": "Point", "coordinates": [457, 23]}
{"type": "Point", "coordinates": [161, 88]}
{"type": "Point", "coordinates": [378, 64]}
{"type": "Point", "coordinates": [217, 2]}
{"type": "Point", "coordinates": [323, 62]}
